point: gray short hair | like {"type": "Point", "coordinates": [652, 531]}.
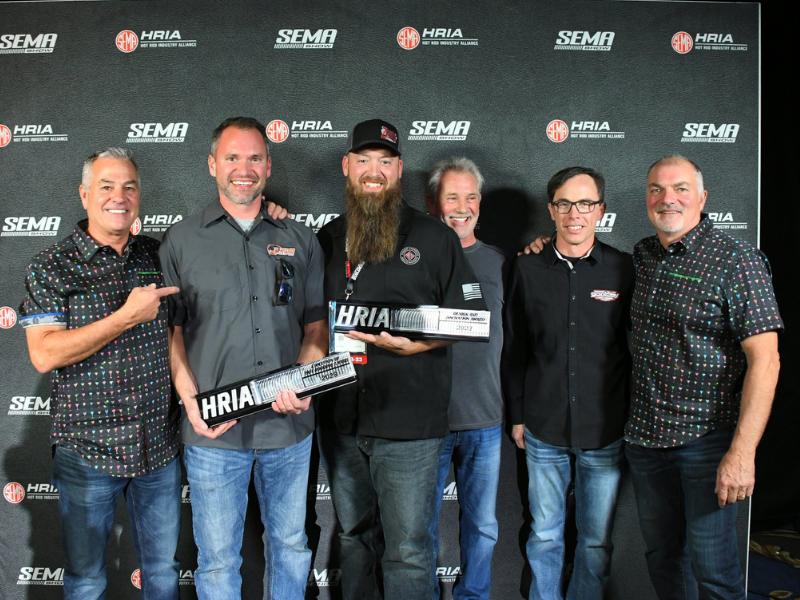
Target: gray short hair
{"type": "Point", "coordinates": [673, 158]}
{"type": "Point", "coordinates": [454, 163]}
{"type": "Point", "coordinates": [113, 152]}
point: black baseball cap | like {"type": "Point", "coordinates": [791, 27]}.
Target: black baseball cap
{"type": "Point", "coordinates": [374, 132]}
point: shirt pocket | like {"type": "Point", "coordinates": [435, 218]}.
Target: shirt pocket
{"type": "Point", "coordinates": [215, 290]}
{"type": "Point", "coordinates": [410, 286]}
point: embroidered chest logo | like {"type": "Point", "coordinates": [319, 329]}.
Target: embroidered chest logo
{"type": "Point", "coordinates": [276, 250]}
{"type": "Point", "coordinates": [604, 295]}
{"type": "Point", "coordinates": [409, 255]}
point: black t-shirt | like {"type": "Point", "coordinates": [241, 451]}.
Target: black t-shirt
{"type": "Point", "coordinates": [399, 397]}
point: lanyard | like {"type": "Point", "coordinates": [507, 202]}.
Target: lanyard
{"type": "Point", "coordinates": [350, 274]}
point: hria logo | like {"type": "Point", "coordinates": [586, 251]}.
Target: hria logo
{"type": "Point", "coordinates": [409, 38]}
{"type": "Point", "coordinates": [315, 222]}
{"type": "Point", "coordinates": [725, 221]}
{"type": "Point", "coordinates": [708, 132]}
{"type": "Point", "coordinates": [350, 315]}
{"type": "Point", "coordinates": [323, 491]}
{"type": "Point", "coordinates": [29, 406]}
{"type": "Point", "coordinates": [682, 42]}
{"type": "Point", "coordinates": [40, 576]}
{"type": "Point", "coordinates": [315, 129]}
{"type": "Point", "coordinates": [140, 133]}
{"type": "Point", "coordinates": [558, 131]}
{"type": "Point", "coordinates": [127, 41]}
{"type": "Point", "coordinates": [324, 577]}
{"type": "Point", "coordinates": [305, 39]}
{"type": "Point", "coordinates": [8, 318]}
{"type": "Point", "coordinates": [42, 491]}
{"type": "Point", "coordinates": [277, 131]}
{"type": "Point", "coordinates": [30, 226]}
{"type": "Point", "coordinates": [154, 223]}
{"type": "Point", "coordinates": [37, 133]}
{"type": "Point", "coordinates": [450, 491]}
{"type": "Point", "coordinates": [439, 130]}
{"type": "Point", "coordinates": [25, 43]}
{"type": "Point", "coordinates": [606, 224]}
{"type": "Point", "coordinates": [584, 40]}
{"type": "Point", "coordinates": [447, 574]}
{"type": "Point", "coordinates": [186, 494]}
{"type": "Point", "coordinates": [185, 577]}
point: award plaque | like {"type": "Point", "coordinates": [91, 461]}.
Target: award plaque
{"type": "Point", "coordinates": [413, 322]}
{"type": "Point", "coordinates": [249, 396]}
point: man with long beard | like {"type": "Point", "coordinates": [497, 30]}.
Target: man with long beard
{"type": "Point", "coordinates": [380, 440]}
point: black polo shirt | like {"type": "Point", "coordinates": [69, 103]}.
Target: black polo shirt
{"type": "Point", "coordinates": [399, 397]}
{"type": "Point", "coordinates": [566, 360]}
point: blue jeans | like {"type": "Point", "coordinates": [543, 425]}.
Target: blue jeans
{"type": "Point", "coordinates": [383, 490]}
{"type": "Point", "coordinates": [219, 479]}
{"type": "Point", "coordinates": [86, 503]}
{"type": "Point", "coordinates": [476, 459]}
{"type": "Point", "coordinates": [597, 481]}
{"type": "Point", "coordinates": [690, 541]}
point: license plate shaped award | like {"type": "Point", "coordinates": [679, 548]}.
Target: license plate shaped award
{"type": "Point", "coordinates": [414, 322]}
{"type": "Point", "coordinates": [249, 396]}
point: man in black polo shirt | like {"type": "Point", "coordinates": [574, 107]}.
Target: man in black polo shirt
{"type": "Point", "coordinates": [705, 366]}
{"type": "Point", "coordinates": [566, 378]}
{"type": "Point", "coordinates": [381, 439]}
{"type": "Point", "coordinates": [94, 316]}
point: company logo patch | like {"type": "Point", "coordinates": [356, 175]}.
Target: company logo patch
{"type": "Point", "coordinates": [126, 41]}
{"type": "Point", "coordinates": [140, 133]}
{"type": "Point", "coordinates": [14, 492]}
{"type": "Point", "coordinates": [314, 222]}
{"type": "Point", "coordinates": [277, 131]}
{"type": "Point", "coordinates": [315, 129]}
{"type": "Point", "coordinates": [8, 318]}
{"type": "Point", "coordinates": [388, 134]}
{"type": "Point", "coordinates": [606, 224]}
{"type": "Point", "coordinates": [29, 406]}
{"type": "Point", "coordinates": [604, 295]}
{"type": "Point", "coordinates": [25, 43]}
{"type": "Point", "coordinates": [682, 42]}
{"type": "Point", "coordinates": [709, 132]}
{"type": "Point", "coordinates": [408, 38]}
{"type": "Point", "coordinates": [409, 255]}
{"type": "Point", "coordinates": [305, 39]}
{"type": "Point", "coordinates": [34, 133]}
{"type": "Point", "coordinates": [30, 226]}
{"type": "Point", "coordinates": [557, 130]}
{"type": "Point", "coordinates": [5, 136]}
{"type": "Point", "coordinates": [324, 577]}
{"type": "Point", "coordinates": [584, 40]}
{"type": "Point", "coordinates": [439, 131]}
{"type": "Point", "coordinates": [40, 576]}
{"type": "Point", "coordinates": [472, 291]}
{"type": "Point", "coordinates": [276, 250]}
{"type": "Point", "coordinates": [136, 579]}
{"type": "Point", "coordinates": [725, 221]}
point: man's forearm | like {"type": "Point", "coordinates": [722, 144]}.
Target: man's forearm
{"type": "Point", "coordinates": [315, 342]}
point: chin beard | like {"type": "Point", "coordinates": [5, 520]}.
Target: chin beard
{"type": "Point", "coordinates": [373, 221]}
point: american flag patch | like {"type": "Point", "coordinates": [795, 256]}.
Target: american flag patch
{"type": "Point", "coordinates": [472, 291]}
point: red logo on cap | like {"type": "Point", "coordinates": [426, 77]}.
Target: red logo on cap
{"type": "Point", "coordinates": [557, 130]}
{"type": "Point", "coordinates": [682, 42]}
{"type": "Point", "coordinates": [277, 131]}
{"type": "Point", "coordinates": [388, 134]}
{"type": "Point", "coordinates": [5, 136]}
{"type": "Point", "coordinates": [136, 579]}
{"type": "Point", "coordinates": [8, 317]}
{"type": "Point", "coordinates": [14, 492]}
{"type": "Point", "coordinates": [136, 226]}
{"type": "Point", "coordinates": [408, 38]}
{"type": "Point", "coordinates": [127, 41]}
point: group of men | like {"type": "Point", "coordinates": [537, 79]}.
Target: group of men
{"type": "Point", "coordinates": [235, 291]}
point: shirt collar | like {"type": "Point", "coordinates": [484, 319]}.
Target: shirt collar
{"type": "Point", "coordinates": [553, 256]}
{"type": "Point", "coordinates": [88, 247]}
{"type": "Point", "coordinates": [214, 213]}
{"type": "Point", "coordinates": [691, 240]}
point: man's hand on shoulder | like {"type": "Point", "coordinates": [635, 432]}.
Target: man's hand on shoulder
{"type": "Point", "coordinates": [536, 246]}
{"type": "Point", "coordinates": [276, 211]}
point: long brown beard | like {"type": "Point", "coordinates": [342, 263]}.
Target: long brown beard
{"type": "Point", "coordinates": [373, 221]}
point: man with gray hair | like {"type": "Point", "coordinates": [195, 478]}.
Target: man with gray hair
{"type": "Point", "coordinates": [94, 315]}
{"type": "Point", "coordinates": [476, 403]}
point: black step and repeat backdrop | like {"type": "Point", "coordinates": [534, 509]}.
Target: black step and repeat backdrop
{"type": "Point", "coordinates": [523, 88]}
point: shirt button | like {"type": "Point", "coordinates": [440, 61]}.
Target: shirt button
{"type": "Point", "coordinates": [255, 297]}
{"type": "Point", "coordinates": [261, 362]}
{"type": "Point", "coordinates": [258, 329]}
{"type": "Point", "coordinates": [573, 296]}
{"type": "Point", "coordinates": [364, 391]}
{"type": "Point", "coordinates": [573, 349]}
{"type": "Point", "coordinates": [252, 267]}
{"type": "Point", "coordinates": [573, 323]}
{"type": "Point", "coordinates": [247, 239]}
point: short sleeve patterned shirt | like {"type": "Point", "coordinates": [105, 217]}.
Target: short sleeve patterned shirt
{"type": "Point", "coordinates": [693, 304]}
{"type": "Point", "coordinates": [113, 408]}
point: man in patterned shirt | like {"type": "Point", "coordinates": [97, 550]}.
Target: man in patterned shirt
{"type": "Point", "coordinates": [94, 314]}
{"type": "Point", "coordinates": [705, 356]}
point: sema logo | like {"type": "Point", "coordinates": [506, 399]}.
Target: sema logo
{"type": "Point", "coordinates": [127, 41]}
{"type": "Point", "coordinates": [408, 38]}
{"type": "Point", "coordinates": [30, 133]}
{"type": "Point", "coordinates": [324, 577]}
{"type": "Point", "coordinates": [136, 579]}
{"type": "Point", "coordinates": [5, 136]}
{"type": "Point", "coordinates": [8, 318]}
{"type": "Point", "coordinates": [557, 130]}
{"type": "Point", "coordinates": [29, 406]}
{"type": "Point", "coordinates": [315, 222]}
{"type": "Point", "coordinates": [682, 42]}
{"type": "Point", "coordinates": [709, 132]}
{"type": "Point", "coordinates": [26, 43]}
{"type": "Point", "coordinates": [154, 133]}
{"type": "Point", "coordinates": [316, 129]}
{"type": "Point", "coordinates": [154, 223]}
{"type": "Point", "coordinates": [305, 39]}
{"type": "Point", "coordinates": [40, 576]}
{"type": "Point", "coordinates": [725, 221]}
{"type": "Point", "coordinates": [277, 131]}
{"type": "Point", "coordinates": [14, 492]}
{"type": "Point", "coordinates": [30, 226]}
{"type": "Point", "coordinates": [584, 40]}
{"type": "Point", "coordinates": [439, 130]}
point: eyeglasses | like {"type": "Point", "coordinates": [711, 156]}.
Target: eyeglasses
{"type": "Point", "coordinates": [284, 288]}
{"type": "Point", "coordinates": [584, 206]}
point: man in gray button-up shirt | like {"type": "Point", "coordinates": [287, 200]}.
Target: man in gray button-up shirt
{"type": "Point", "coordinates": [251, 302]}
